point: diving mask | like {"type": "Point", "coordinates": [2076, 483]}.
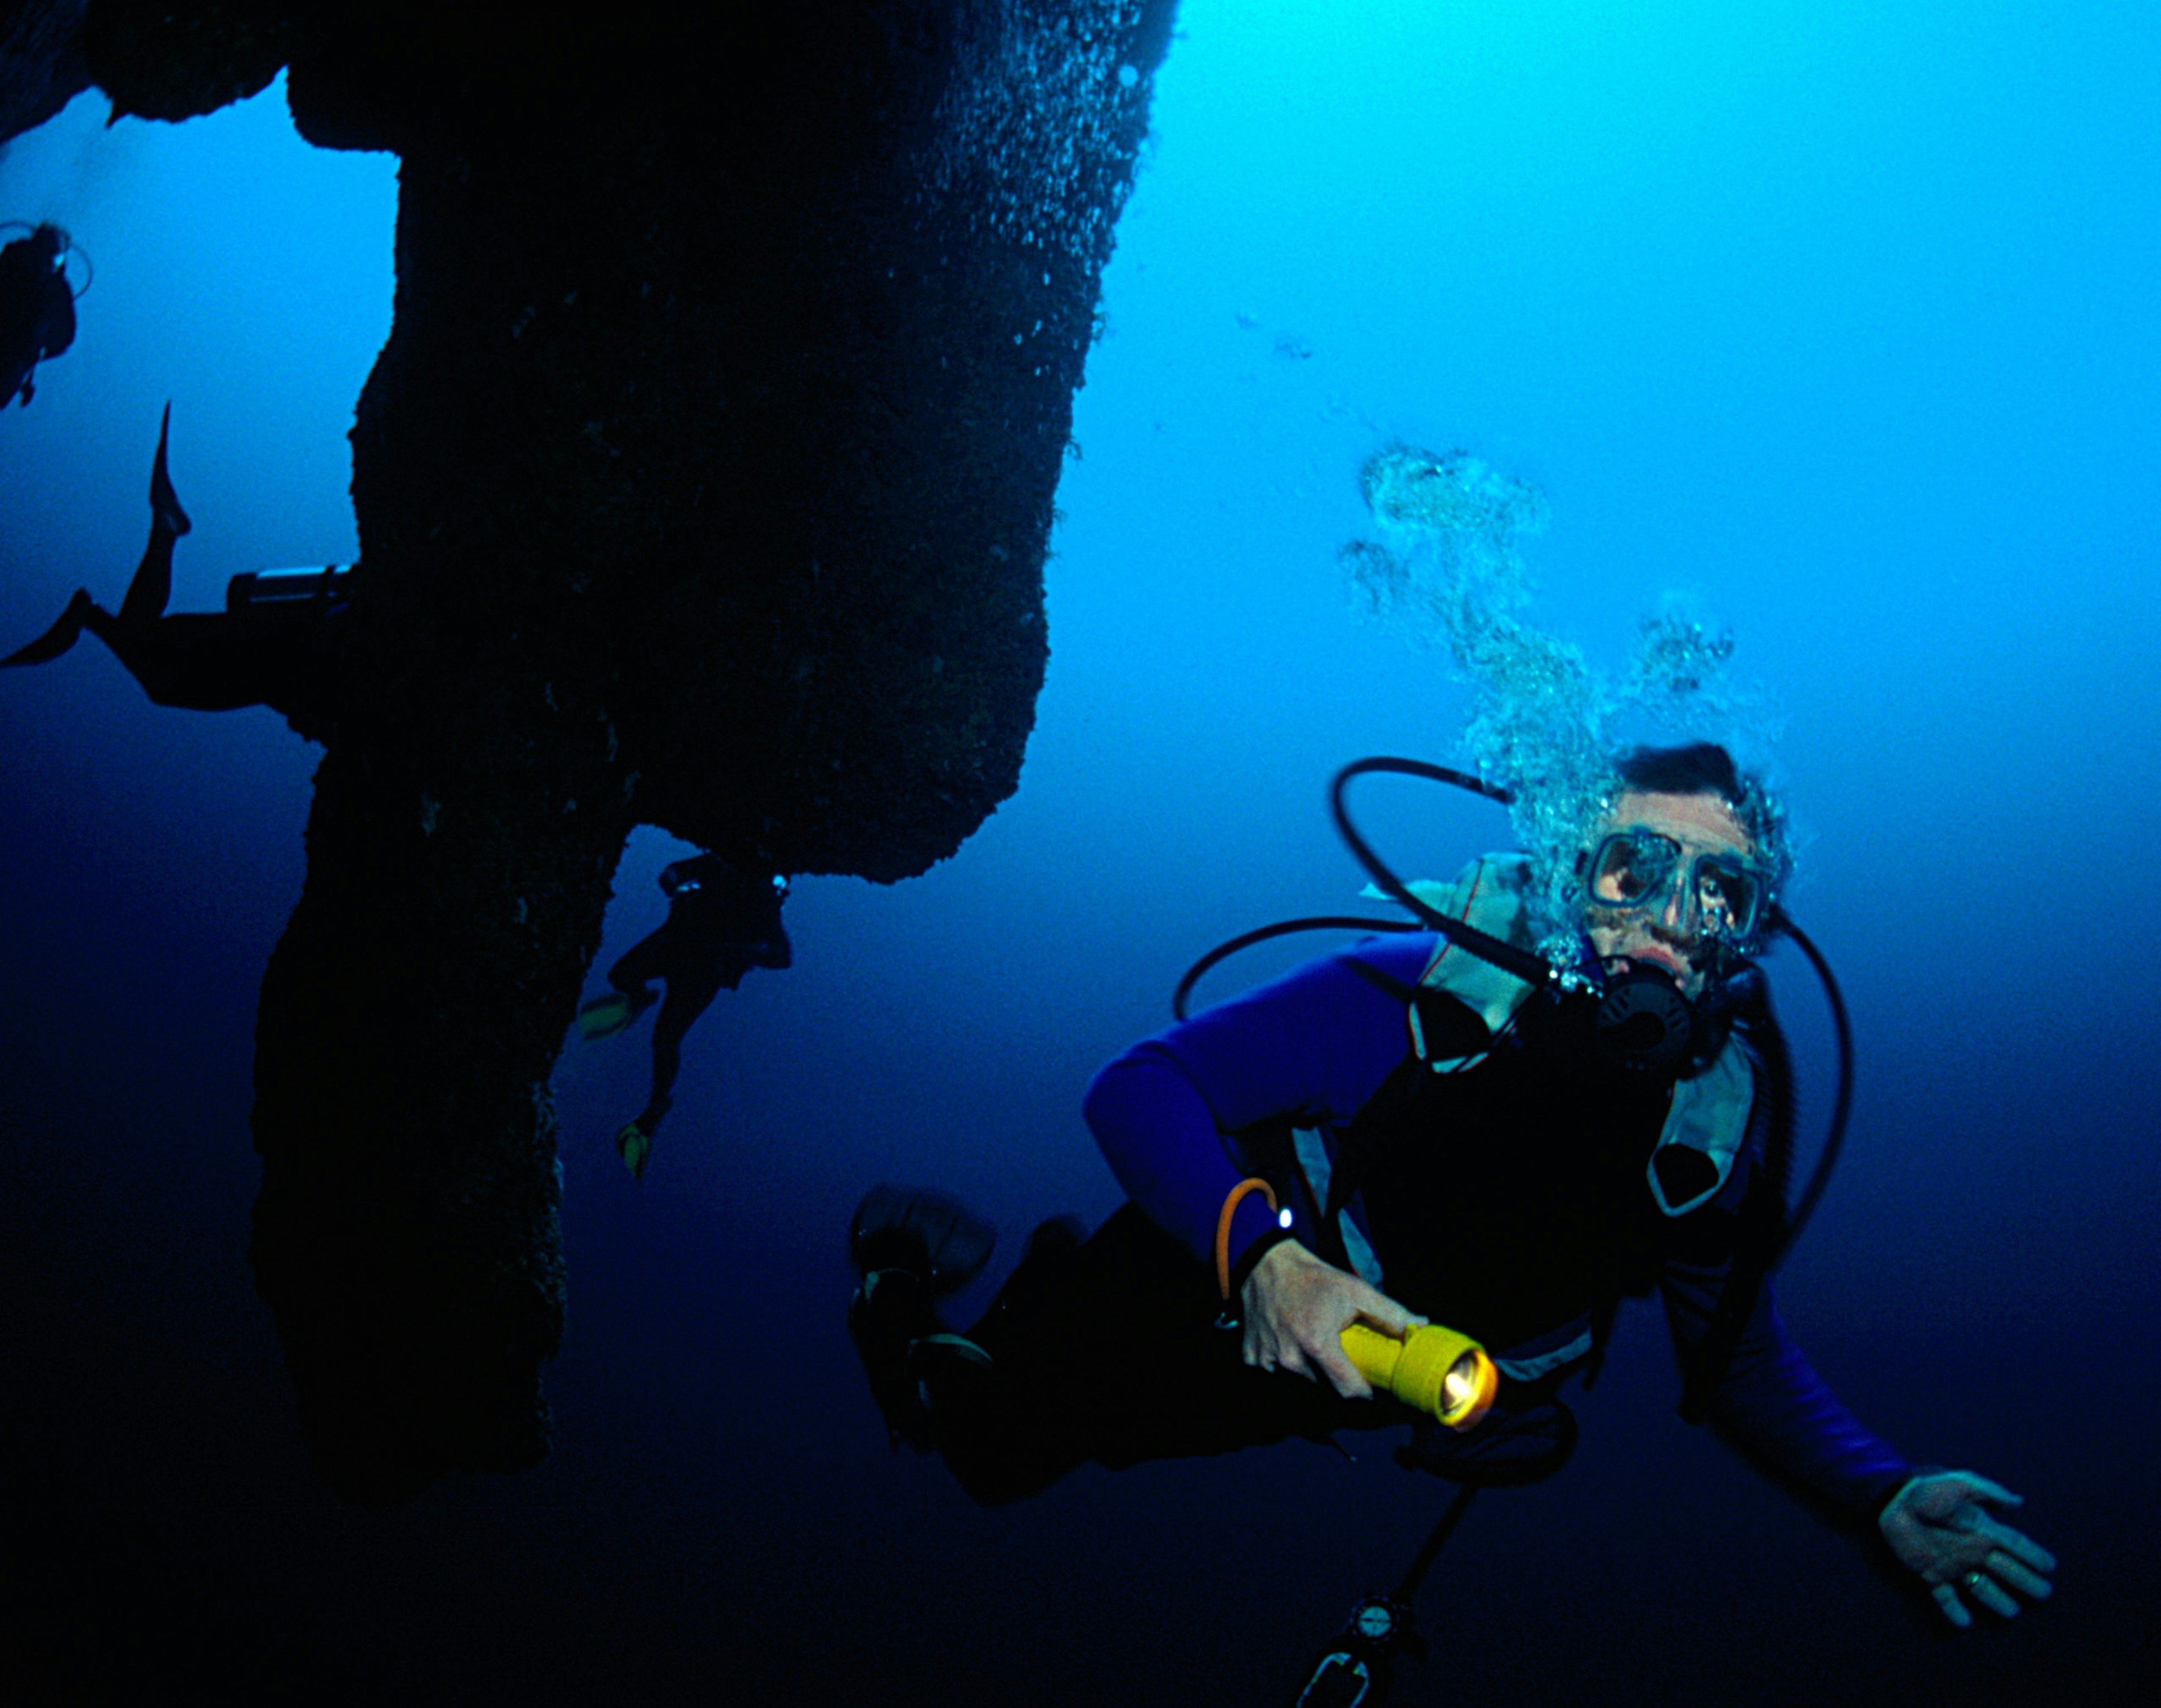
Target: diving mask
{"type": "Point", "coordinates": [1722, 895]}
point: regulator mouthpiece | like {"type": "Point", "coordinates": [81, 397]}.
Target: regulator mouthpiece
{"type": "Point", "coordinates": [1644, 1024]}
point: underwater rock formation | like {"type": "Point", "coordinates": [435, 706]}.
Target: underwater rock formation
{"type": "Point", "coordinates": [41, 62]}
{"type": "Point", "coordinates": [704, 481]}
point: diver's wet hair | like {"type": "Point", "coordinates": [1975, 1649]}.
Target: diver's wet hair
{"type": "Point", "coordinates": [1698, 768]}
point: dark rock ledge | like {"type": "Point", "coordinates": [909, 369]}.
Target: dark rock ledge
{"type": "Point", "coordinates": [704, 481]}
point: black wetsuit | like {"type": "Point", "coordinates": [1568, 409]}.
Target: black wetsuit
{"type": "Point", "coordinates": [37, 311]}
{"type": "Point", "coordinates": [288, 653]}
{"type": "Point", "coordinates": [1509, 1199]}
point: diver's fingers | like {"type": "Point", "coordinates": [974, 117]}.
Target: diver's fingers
{"type": "Point", "coordinates": [1317, 1355]}
{"type": "Point", "coordinates": [1952, 1500]}
{"type": "Point", "coordinates": [2017, 1543]}
{"type": "Point", "coordinates": [1953, 1609]}
{"type": "Point", "coordinates": [1267, 1347]}
{"type": "Point", "coordinates": [2030, 1584]}
{"type": "Point", "coordinates": [1335, 1363]}
{"type": "Point", "coordinates": [1980, 1488]}
{"type": "Point", "coordinates": [1383, 1313]}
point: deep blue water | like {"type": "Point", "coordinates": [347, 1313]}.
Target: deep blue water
{"type": "Point", "coordinates": [1840, 321]}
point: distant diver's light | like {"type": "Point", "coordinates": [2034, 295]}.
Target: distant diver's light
{"type": "Point", "coordinates": [254, 589]}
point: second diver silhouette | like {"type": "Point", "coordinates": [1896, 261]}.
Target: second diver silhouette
{"type": "Point", "coordinates": [37, 310]}
{"type": "Point", "coordinates": [720, 923]}
{"type": "Point", "coordinates": [274, 645]}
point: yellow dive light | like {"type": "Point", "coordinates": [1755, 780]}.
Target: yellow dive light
{"type": "Point", "coordinates": [1432, 1369]}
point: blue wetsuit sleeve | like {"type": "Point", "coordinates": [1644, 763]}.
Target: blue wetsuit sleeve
{"type": "Point", "coordinates": [1773, 1406]}
{"type": "Point", "coordinates": [1311, 1047]}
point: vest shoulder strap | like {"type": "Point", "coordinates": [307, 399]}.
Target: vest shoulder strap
{"type": "Point", "coordinates": [1491, 894]}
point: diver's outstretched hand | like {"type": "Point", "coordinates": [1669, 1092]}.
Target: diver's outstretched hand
{"type": "Point", "coordinates": [1297, 1306]}
{"type": "Point", "coordinates": [1938, 1527]}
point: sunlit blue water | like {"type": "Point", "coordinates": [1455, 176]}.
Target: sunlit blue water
{"type": "Point", "coordinates": [1841, 322]}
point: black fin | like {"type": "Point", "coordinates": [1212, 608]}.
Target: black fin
{"type": "Point", "coordinates": [59, 637]}
{"type": "Point", "coordinates": [938, 1237]}
{"type": "Point", "coordinates": [151, 587]}
{"type": "Point", "coordinates": [165, 510]}
{"type": "Point", "coordinates": [892, 1312]}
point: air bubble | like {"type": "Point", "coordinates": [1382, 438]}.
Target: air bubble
{"type": "Point", "coordinates": [1449, 571]}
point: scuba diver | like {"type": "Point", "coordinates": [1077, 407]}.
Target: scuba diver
{"type": "Point", "coordinates": [720, 923]}
{"type": "Point", "coordinates": [275, 644]}
{"type": "Point", "coordinates": [37, 309]}
{"type": "Point", "coordinates": [1441, 1125]}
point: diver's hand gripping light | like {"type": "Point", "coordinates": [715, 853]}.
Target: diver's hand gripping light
{"type": "Point", "coordinates": [1432, 1369]}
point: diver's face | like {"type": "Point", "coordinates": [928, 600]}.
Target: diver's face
{"type": "Point", "coordinates": [1667, 930]}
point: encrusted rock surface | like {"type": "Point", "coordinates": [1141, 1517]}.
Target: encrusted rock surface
{"type": "Point", "coordinates": [41, 64]}
{"type": "Point", "coordinates": [706, 482]}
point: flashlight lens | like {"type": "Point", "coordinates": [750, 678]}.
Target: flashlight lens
{"type": "Point", "coordinates": [1461, 1382]}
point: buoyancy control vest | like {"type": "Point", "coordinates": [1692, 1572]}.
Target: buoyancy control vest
{"type": "Point", "coordinates": [1511, 1180]}
{"type": "Point", "coordinates": [1480, 989]}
